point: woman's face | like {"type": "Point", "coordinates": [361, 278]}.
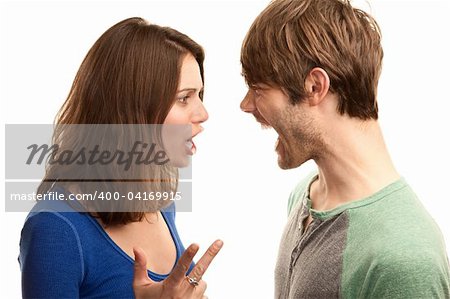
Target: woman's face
{"type": "Point", "coordinates": [186, 115]}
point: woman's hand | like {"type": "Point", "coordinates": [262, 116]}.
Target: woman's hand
{"type": "Point", "coordinates": [177, 285]}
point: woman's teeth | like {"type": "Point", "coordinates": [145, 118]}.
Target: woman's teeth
{"type": "Point", "coordinates": [190, 145]}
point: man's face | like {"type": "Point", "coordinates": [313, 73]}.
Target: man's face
{"type": "Point", "coordinates": [297, 141]}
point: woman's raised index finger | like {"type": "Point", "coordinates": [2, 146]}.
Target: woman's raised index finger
{"type": "Point", "coordinates": [204, 262]}
{"type": "Point", "coordinates": [182, 266]}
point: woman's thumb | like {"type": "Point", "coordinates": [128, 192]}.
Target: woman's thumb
{"type": "Point", "coordinates": [140, 267]}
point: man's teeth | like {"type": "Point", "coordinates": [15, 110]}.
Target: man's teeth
{"type": "Point", "coordinates": [189, 144]}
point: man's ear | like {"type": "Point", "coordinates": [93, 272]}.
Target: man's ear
{"type": "Point", "coordinates": [317, 84]}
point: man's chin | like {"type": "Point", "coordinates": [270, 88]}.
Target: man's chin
{"type": "Point", "coordinates": [285, 163]}
{"type": "Point", "coordinates": [284, 166]}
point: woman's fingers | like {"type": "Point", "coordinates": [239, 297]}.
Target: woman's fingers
{"type": "Point", "coordinates": [179, 272]}
{"type": "Point", "coordinates": [141, 281]}
{"type": "Point", "coordinates": [204, 262]}
{"type": "Point", "coordinates": [140, 268]}
{"type": "Point", "coordinates": [200, 289]}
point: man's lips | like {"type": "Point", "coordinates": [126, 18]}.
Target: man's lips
{"type": "Point", "coordinates": [265, 125]}
{"type": "Point", "coordinates": [262, 121]}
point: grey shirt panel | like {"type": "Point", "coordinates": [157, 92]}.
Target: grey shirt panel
{"type": "Point", "coordinates": [310, 263]}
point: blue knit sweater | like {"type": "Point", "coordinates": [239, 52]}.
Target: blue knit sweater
{"type": "Point", "coordinates": [69, 255]}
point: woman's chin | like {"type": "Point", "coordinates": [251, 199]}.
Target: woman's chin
{"type": "Point", "coordinates": [180, 162]}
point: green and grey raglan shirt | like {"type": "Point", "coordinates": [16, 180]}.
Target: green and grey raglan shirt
{"type": "Point", "coordinates": [382, 246]}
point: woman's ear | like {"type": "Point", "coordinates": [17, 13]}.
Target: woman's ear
{"type": "Point", "coordinates": [317, 84]}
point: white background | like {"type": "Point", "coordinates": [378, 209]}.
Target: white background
{"type": "Point", "coordinates": [239, 193]}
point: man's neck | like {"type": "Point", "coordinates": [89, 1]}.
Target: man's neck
{"type": "Point", "coordinates": [354, 165]}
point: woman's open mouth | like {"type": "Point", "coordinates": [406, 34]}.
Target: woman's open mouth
{"type": "Point", "coordinates": [190, 147]}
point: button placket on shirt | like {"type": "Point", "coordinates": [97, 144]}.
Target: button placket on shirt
{"type": "Point", "coordinates": [302, 237]}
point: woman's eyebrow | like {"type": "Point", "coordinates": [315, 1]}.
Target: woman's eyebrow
{"type": "Point", "coordinates": [190, 89]}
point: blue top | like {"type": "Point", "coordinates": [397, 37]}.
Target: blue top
{"type": "Point", "coordinates": [69, 255]}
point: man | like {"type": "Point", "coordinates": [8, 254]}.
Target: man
{"type": "Point", "coordinates": [355, 228]}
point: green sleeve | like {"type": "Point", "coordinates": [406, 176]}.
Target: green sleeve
{"type": "Point", "coordinates": [298, 191]}
{"type": "Point", "coordinates": [394, 249]}
{"type": "Point", "coordinates": [403, 275]}
{"type": "Point", "coordinates": [293, 200]}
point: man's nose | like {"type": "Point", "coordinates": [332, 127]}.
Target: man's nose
{"type": "Point", "coordinates": [248, 104]}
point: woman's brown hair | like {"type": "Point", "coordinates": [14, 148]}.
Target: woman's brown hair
{"type": "Point", "coordinates": [290, 37]}
{"type": "Point", "coordinates": [129, 76]}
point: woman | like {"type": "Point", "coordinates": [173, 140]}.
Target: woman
{"type": "Point", "coordinates": [136, 73]}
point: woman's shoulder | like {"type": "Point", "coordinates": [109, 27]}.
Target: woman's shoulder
{"type": "Point", "coordinates": [50, 247]}
{"type": "Point", "coordinates": [47, 215]}
{"type": "Point", "coordinates": [48, 224]}
{"type": "Point", "coordinates": [169, 213]}
{"type": "Point", "coordinates": [52, 210]}
{"type": "Point", "coordinates": [53, 216]}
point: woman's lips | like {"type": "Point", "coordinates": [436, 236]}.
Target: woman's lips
{"type": "Point", "coordinates": [190, 147]}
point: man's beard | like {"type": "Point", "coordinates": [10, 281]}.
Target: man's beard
{"type": "Point", "coordinates": [299, 139]}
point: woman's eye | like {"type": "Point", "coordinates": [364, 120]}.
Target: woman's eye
{"type": "Point", "coordinates": [184, 99]}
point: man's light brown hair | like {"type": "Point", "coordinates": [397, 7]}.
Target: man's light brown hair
{"type": "Point", "coordinates": [290, 37]}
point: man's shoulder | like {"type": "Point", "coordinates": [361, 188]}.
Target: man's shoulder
{"type": "Point", "coordinates": [395, 246]}
{"type": "Point", "coordinates": [397, 217]}
{"type": "Point", "coordinates": [299, 190]}
{"type": "Point", "coordinates": [410, 273]}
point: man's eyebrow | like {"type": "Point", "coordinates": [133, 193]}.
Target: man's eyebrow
{"type": "Point", "coordinates": [260, 86]}
{"type": "Point", "coordinates": [190, 89]}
